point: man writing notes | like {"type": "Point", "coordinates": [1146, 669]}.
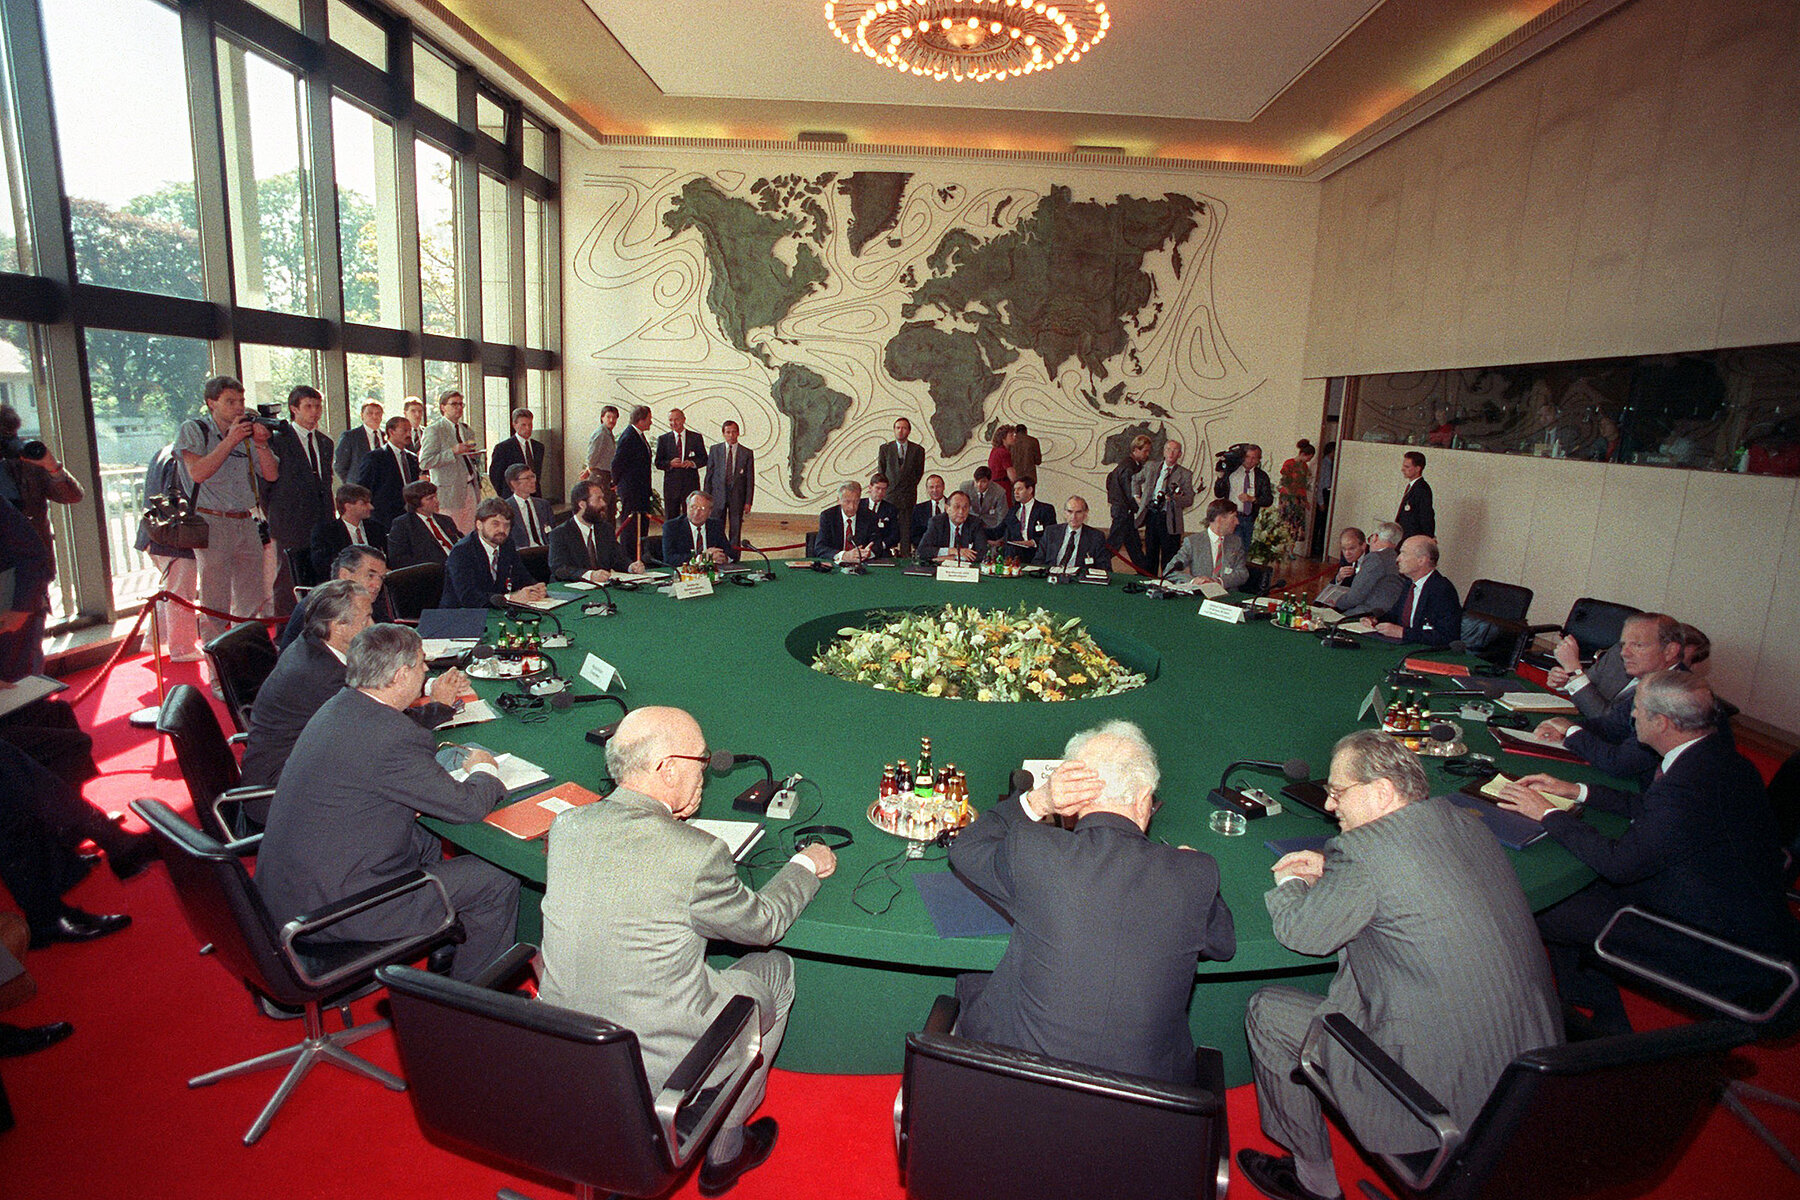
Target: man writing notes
{"type": "Point", "coordinates": [422, 534]}
{"type": "Point", "coordinates": [1106, 925]}
{"type": "Point", "coordinates": [954, 537]}
{"type": "Point", "coordinates": [1215, 554]}
{"type": "Point", "coordinates": [521, 449]}
{"type": "Point", "coordinates": [334, 832]}
{"type": "Point", "coordinates": [447, 449]}
{"type": "Point", "coordinates": [679, 454]}
{"type": "Point", "coordinates": [1701, 847]}
{"type": "Point", "coordinates": [1164, 491]}
{"type": "Point", "coordinates": [484, 570]}
{"type": "Point", "coordinates": [1074, 545]}
{"type": "Point", "coordinates": [1428, 609]}
{"type": "Point", "coordinates": [1606, 734]}
{"type": "Point", "coordinates": [1438, 962]}
{"type": "Point", "coordinates": [583, 547]}
{"type": "Point", "coordinates": [903, 462]}
{"type": "Point", "coordinates": [847, 530]}
{"type": "Point", "coordinates": [632, 897]}
{"type": "Point", "coordinates": [731, 480]}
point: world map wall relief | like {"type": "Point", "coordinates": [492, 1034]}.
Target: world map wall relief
{"type": "Point", "coordinates": [816, 308]}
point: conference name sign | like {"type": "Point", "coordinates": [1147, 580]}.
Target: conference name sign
{"type": "Point", "coordinates": [1219, 611]}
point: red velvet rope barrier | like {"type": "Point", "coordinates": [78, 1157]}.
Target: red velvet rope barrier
{"type": "Point", "coordinates": [144, 615]}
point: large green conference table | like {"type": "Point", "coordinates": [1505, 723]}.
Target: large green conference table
{"type": "Point", "coordinates": [868, 959]}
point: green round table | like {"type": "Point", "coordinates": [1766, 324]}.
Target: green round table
{"type": "Point", "coordinates": [869, 960]}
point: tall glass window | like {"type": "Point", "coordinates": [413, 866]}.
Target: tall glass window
{"type": "Point", "coordinates": [358, 34]}
{"type": "Point", "coordinates": [267, 183]}
{"type": "Point", "coordinates": [490, 116]}
{"type": "Point", "coordinates": [536, 239]}
{"type": "Point", "coordinates": [286, 10]}
{"type": "Point", "coordinates": [380, 379]}
{"type": "Point", "coordinates": [438, 251]}
{"type": "Point", "coordinates": [128, 164]}
{"type": "Point", "coordinates": [537, 148]}
{"type": "Point", "coordinates": [271, 372]}
{"type": "Point", "coordinates": [499, 408]}
{"type": "Point", "coordinates": [496, 248]}
{"type": "Point", "coordinates": [368, 214]}
{"type": "Point", "coordinates": [441, 377]}
{"type": "Point", "coordinates": [434, 81]}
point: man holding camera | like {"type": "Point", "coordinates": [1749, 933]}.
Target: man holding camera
{"type": "Point", "coordinates": [30, 477]}
{"type": "Point", "coordinates": [222, 456]}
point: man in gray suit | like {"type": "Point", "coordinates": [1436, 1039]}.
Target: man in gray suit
{"type": "Point", "coordinates": [1164, 490]}
{"type": "Point", "coordinates": [1372, 574]}
{"type": "Point", "coordinates": [1438, 962]}
{"type": "Point", "coordinates": [632, 897]}
{"type": "Point", "coordinates": [447, 451]}
{"type": "Point", "coordinates": [731, 480]}
{"type": "Point", "coordinates": [300, 497]}
{"type": "Point", "coordinates": [1216, 553]}
{"type": "Point", "coordinates": [334, 832]}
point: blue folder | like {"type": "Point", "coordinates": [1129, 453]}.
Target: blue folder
{"type": "Point", "coordinates": [956, 909]}
{"type": "Point", "coordinates": [453, 622]}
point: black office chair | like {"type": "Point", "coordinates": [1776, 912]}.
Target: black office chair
{"type": "Point", "coordinates": [208, 766]}
{"type": "Point", "coordinates": [287, 965]}
{"type": "Point", "coordinates": [416, 588]}
{"type": "Point", "coordinates": [1594, 624]}
{"type": "Point", "coordinates": [300, 569]}
{"type": "Point", "coordinates": [470, 1053]}
{"type": "Point", "coordinates": [242, 657]}
{"type": "Point", "coordinates": [1495, 621]}
{"type": "Point", "coordinates": [979, 1121]}
{"type": "Point", "coordinates": [812, 541]}
{"type": "Point", "coordinates": [537, 561]}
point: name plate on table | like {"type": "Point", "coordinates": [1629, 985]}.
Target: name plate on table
{"type": "Point", "coordinates": [601, 674]}
{"type": "Point", "coordinates": [958, 573]}
{"type": "Point", "coordinates": [1220, 611]}
{"type": "Point", "coordinates": [687, 589]}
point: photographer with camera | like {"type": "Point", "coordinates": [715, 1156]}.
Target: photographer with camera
{"type": "Point", "coordinates": [1243, 482]}
{"type": "Point", "coordinates": [30, 477]}
{"type": "Point", "coordinates": [222, 456]}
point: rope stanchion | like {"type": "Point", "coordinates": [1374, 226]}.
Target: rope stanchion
{"type": "Point", "coordinates": [144, 615]}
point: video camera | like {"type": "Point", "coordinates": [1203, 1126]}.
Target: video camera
{"type": "Point", "coordinates": [266, 415]}
{"type": "Point", "coordinates": [14, 448]}
{"type": "Point", "coordinates": [1230, 458]}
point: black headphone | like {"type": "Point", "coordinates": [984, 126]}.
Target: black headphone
{"type": "Point", "coordinates": [1470, 766]}
{"type": "Point", "coordinates": [832, 837]}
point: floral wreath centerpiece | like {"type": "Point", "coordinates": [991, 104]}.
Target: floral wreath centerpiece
{"type": "Point", "coordinates": [961, 652]}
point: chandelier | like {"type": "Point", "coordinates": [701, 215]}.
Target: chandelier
{"type": "Point", "coordinates": [974, 40]}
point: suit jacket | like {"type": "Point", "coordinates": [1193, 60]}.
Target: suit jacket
{"type": "Point", "coordinates": [631, 472]}
{"type": "Point", "coordinates": [334, 832]}
{"type": "Point", "coordinates": [679, 481]}
{"type": "Point", "coordinates": [467, 581]}
{"type": "Point", "coordinates": [631, 898]}
{"type": "Point", "coordinates": [736, 491]}
{"type": "Point", "coordinates": [569, 557]}
{"type": "Point", "coordinates": [678, 539]}
{"type": "Point", "coordinates": [1376, 587]}
{"type": "Point", "coordinates": [1121, 493]}
{"type": "Point", "coordinates": [1178, 498]}
{"type": "Point", "coordinates": [382, 475]}
{"type": "Point", "coordinates": [1063, 891]}
{"type": "Point", "coordinates": [988, 507]}
{"type": "Point", "coordinates": [1028, 522]}
{"type": "Point", "coordinates": [1609, 741]}
{"type": "Point", "coordinates": [540, 507]}
{"type": "Point", "coordinates": [382, 610]}
{"type": "Point", "coordinates": [510, 453]}
{"type": "Point", "coordinates": [1702, 847]}
{"type": "Point", "coordinates": [1436, 618]}
{"type": "Point", "coordinates": [1265, 496]}
{"type": "Point", "coordinates": [454, 475]}
{"type": "Point", "coordinates": [1416, 514]}
{"type": "Point", "coordinates": [298, 498]}
{"type": "Point", "coordinates": [939, 536]}
{"type": "Point", "coordinates": [830, 538]}
{"type": "Point", "coordinates": [886, 537]}
{"type": "Point", "coordinates": [331, 536]}
{"type": "Point", "coordinates": [921, 518]}
{"type": "Point", "coordinates": [1027, 454]}
{"type": "Point", "coordinates": [1438, 960]}
{"type": "Point", "coordinates": [351, 449]}
{"type": "Point", "coordinates": [904, 471]}
{"type": "Point", "coordinates": [1195, 560]}
{"type": "Point", "coordinates": [409, 542]}
{"type": "Point", "coordinates": [1090, 548]}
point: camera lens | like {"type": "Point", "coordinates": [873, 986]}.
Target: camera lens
{"type": "Point", "coordinates": [33, 449]}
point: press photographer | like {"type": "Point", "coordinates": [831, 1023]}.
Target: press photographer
{"type": "Point", "coordinates": [220, 473]}
{"type": "Point", "coordinates": [30, 477]}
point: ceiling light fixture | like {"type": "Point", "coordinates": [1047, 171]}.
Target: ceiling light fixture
{"type": "Point", "coordinates": [969, 40]}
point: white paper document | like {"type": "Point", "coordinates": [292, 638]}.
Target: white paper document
{"type": "Point", "coordinates": [515, 772]}
{"type": "Point", "coordinates": [738, 836]}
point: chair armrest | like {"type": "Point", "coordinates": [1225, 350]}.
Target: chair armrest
{"type": "Point", "coordinates": [244, 845]}
{"type": "Point", "coordinates": [714, 1071]}
{"type": "Point", "coordinates": [236, 798]}
{"type": "Point", "coordinates": [349, 906]}
{"type": "Point", "coordinates": [503, 969]}
{"type": "Point", "coordinates": [1619, 954]}
{"type": "Point", "coordinates": [1428, 1109]}
{"type": "Point", "coordinates": [1534, 630]}
{"type": "Point", "coordinates": [237, 739]}
{"type": "Point", "coordinates": [944, 1011]}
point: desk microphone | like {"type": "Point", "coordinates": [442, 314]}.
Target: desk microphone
{"type": "Point", "coordinates": [756, 797]}
{"type": "Point", "coordinates": [1255, 802]}
{"type": "Point", "coordinates": [767, 574]}
{"type": "Point", "coordinates": [556, 639]}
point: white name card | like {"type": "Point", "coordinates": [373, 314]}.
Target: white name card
{"type": "Point", "coordinates": [600, 673]}
{"type": "Point", "coordinates": [958, 573]}
{"type": "Point", "coordinates": [687, 589]}
{"type": "Point", "coordinates": [1229, 613]}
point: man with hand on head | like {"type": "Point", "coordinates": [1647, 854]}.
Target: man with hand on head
{"type": "Point", "coordinates": [1074, 545]}
{"type": "Point", "coordinates": [955, 537]}
{"type": "Point", "coordinates": [1438, 962]}
{"type": "Point", "coordinates": [1213, 555]}
{"type": "Point", "coordinates": [632, 898]}
{"type": "Point", "coordinates": [583, 547]}
{"type": "Point", "coordinates": [484, 570]}
{"type": "Point", "coordinates": [847, 530]}
{"type": "Point", "coordinates": [1101, 902]}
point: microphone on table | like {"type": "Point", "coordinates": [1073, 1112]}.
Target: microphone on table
{"type": "Point", "coordinates": [602, 735]}
{"type": "Point", "coordinates": [756, 797]}
{"type": "Point", "coordinates": [1159, 589]}
{"type": "Point", "coordinates": [1254, 802]}
{"type": "Point", "coordinates": [767, 574]}
{"type": "Point", "coordinates": [603, 607]}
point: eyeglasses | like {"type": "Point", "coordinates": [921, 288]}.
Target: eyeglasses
{"type": "Point", "coordinates": [1335, 791]}
{"type": "Point", "coordinates": [705, 756]}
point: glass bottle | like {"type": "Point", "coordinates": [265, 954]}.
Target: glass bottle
{"type": "Point", "coordinates": [923, 776]}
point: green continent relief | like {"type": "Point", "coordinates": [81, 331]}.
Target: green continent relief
{"type": "Point", "coordinates": [874, 204]}
{"type": "Point", "coordinates": [959, 369]}
{"type": "Point", "coordinates": [814, 413]}
{"type": "Point", "coordinates": [750, 286]}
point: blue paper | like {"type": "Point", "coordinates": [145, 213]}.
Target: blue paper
{"type": "Point", "coordinates": [1283, 846]}
{"type": "Point", "coordinates": [1514, 830]}
{"type": "Point", "coordinates": [453, 623]}
{"type": "Point", "coordinates": [956, 909]}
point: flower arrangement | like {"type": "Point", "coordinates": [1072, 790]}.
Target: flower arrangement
{"type": "Point", "coordinates": [961, 652]}
{"type": "Point", "coordinates": [1271, 538]}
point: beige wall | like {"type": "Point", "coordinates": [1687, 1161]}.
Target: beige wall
{"type": "Point", "coordinates": [1631, 191]}
{"type": "Point", "coordinates": [1717, 550]}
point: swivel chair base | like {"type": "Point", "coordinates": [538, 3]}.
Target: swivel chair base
{"type": "Point", "coordinates": [1737, 1091]}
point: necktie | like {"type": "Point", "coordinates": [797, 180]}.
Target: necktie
{"type": "Point", "coordinates": [1068, 555]}
{"type": "Point", "coordinates": [374, 439]}
{"type": "Point", "coordinates": [531, 527]}
{"type": "Point", "coordinates": [437, 533]}
{"type": "Point", "coordinates": [1162, 478]}
{"type": "Point", "coordinates": [1217, 542]}
{"type": "Point", "coordinates": [699, 538]}
{"type": "Point", "coordinates": [406, 475]}
{"type": "Point", "coordinates": [312, 453]}
{"type": "Point", "coordinates": [356, 534]}
{"type": "Point", "coordinates": [1406, 610]}
{"type": "Point", "coordinates": [587, 535]}
{"type": "Point", "coordinates": [730, 462]}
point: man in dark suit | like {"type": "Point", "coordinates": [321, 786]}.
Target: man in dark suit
{"type": "Point", "coordinates": [583, 547]}
{"type": "Point", "coordinates": [421, 534]}
{"type": "Point", "coordinates": [887, 535]}
{"type": "Point", "coordinates": [358, 442]}
{"type": "Point", "coordinates": [300, 497]}
{"type": "Point", "coordinates": [1028, 520]}
{"type": "Point", "coordinates": [631, 479]}
{"type": "Point", "coordinates": [351, 527]}
{"type": "Point", "coordinates": [697, 532]}
{"type": "Point", "coordinates": [530, 512]}
{"type": "Point", "coordinates": [1064, 893]}
{"type": "Point", "coordinates": [1122, 505]}
{"type": "Point", "coordinates": [846, 529]}
{"type": "Point", "coordinates": [924, 510]}
{"type": "Point", "coordinates": [366, 567]}
{"type": "Point", "coordinates": [1428, 610]}
{"type": "Point", "coordinates": [1074, 545]}
{"type": "Point", "coordinates": [1214, 553]}
{"type": "Point", "coordinates": [1605, 733]}
{"type": "Point", "coordinates": [903, 462]}
{"type": "Point", "coordinates": [43, 823]}
{"type": "Point", "coordinates": [1438, 962]}
{"type": "Point", "coordinates": [1416, 515]}
{"type": "Point", "coordinates": [484, 569]}
{"type": "Point", "coordinates": [956, 536]}
{"type": "Point", "coordinates": [679, 454]}
{"type": "Point", "coordinates": [1249, 491]}
{"type": "Point", "coordinates": [1701, 848]}
{"type": "Point", "coordinates": [387, 471]}
{"type": "Point", "coordinates": [731, 480]}
{"type": "Point", "coordinates": [519, 449]}
{"type": "Point", "coordinates": [1371, 571]}
{"type": "Point", "coordinates": [334, 832]}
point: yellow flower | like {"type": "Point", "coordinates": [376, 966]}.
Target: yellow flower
{"type": "Point", "coordinates": [1078, 679]}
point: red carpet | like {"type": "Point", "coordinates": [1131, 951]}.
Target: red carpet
{"type": "Point", "coordinates": [107, 1113]}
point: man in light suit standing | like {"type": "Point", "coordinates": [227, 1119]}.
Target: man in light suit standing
{"type": "Point", "coordinates": [1438, 957]}
{"type": "Point", "coordinates": [1163, 490]}
{"type": "Point", "coordinates": [731, 480]}
{"type": "Point", "coordinates": [903, 462]}
{"type": "Point", "coordinates": [633, 896]}
{"type": "Point", "coordinates": [447, 450]}
{"type": "Point", "coordinates": [1216, 553]}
